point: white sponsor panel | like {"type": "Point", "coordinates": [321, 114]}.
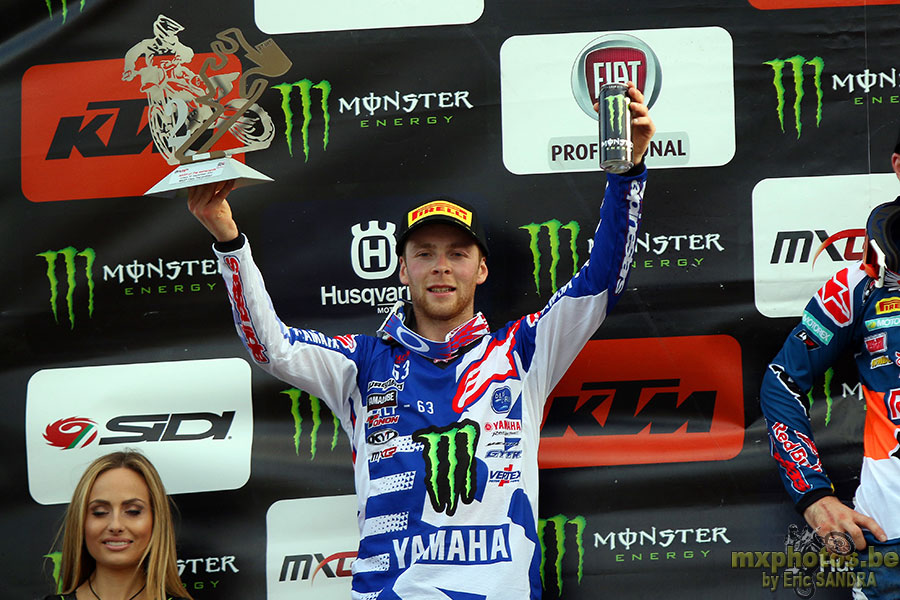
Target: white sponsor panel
{"type": "Point", "coordinates": [792, 217]}
{"type": "Point", "coordinates": [305, 16]}
{"type": "Point", "coordinates": [546, 90]}
{"type": "Point", "coordinates": [310, 547]}
{"type": "Point", "coordinates": [192, 419]}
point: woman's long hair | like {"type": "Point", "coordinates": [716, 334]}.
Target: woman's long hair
{"type": "Point", "coordinates": [158, 562]}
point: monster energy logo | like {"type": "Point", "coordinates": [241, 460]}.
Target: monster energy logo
{"type": "Point", "coordinates": [65, 8]}
{"type": "Point", "coordinates": [797, 63]}
{"type": "Point", "coordinates": [450, 466]}
{"type": "Point", "coordinates": [559, 531]}
{"type": "Point", "coordinates": [56, 558]}
{"type": "Point", "coordinates": [553, 226]}
{"type": "Point", "coordinates": [305, 86]}
{"type": "Point", "coordinates": [829, 401]}
{"type": "Point", "coordinates": [615, 108]}
{"type": "Point", "coordinates": [316, 408]}
{"type": "Point", "coordinates": [69, 254]}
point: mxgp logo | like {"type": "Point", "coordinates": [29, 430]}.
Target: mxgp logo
{"type": "Point", "coordinates": [304, 88]}
{"type": "Point", "coordinates": [291, 566]}
{"type": "Point", "coordinates": [77, 265]}
{"type": "Point", "coordinates": [797, 246]}
{"type": "Point", "coordinates": [539, 260]}
{"type": "Point", "coordinates": [315, 408]}
{"type": "Point", "coordinates": [141, 428]}
{"type": "Point", "coordinates": [372, 251]}
{"type": "Point", "coordinates": [802, 70]}
{"type": "Point", "coordinates": [680, 401]}
{"type": "Point", "coordinates": [562, 543]}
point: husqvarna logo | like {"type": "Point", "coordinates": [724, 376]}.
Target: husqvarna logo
{"type": "Point", "coordinates": [372, 250]}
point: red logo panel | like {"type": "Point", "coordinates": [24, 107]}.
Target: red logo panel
{"type": "Point", "coordinates": [85, 134]}
{"type": "Point", "coordinates": [643, 401]}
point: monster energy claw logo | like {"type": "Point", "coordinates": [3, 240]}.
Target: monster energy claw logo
{"type": "Point", "coordinates": [559, 531]}
{"type": "Point", "coordinates": [797, 63]}
{"type": "Point", "coordinates": [553, 226]}
{"type": "Point", "coordinates": [450, 465]}
{"type": "Point", "coordinates": [305, 86]}
{"type": "Point", "coordinates": [316, 408]}
{"type": "Point", "coordinates": [616, 106]}
{"type": "Point", "coordinates": [69, 254]}
{"type": "Point", "coordinates": [65, 8]}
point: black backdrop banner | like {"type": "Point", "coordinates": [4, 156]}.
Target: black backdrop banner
{"type": "Point", "coordinates": [117, 331]}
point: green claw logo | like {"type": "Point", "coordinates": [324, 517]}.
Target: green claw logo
{"type": "Point", "coordinates": [797, 63]}
{"type": "Point", "coordinates": [305, 86]}
{"type": "Point", "coordinates": [553, 226]}
{"type": "Point", "coordinates": [69, 254]}
{"type": "Point", "coordinates": [65, 8]}
{"type": "Point", "coordinates": [616, 107]}
{"type": "Point", "coordinates": [316, 408]}
{"type": "Point", "coordinates": [450, 465]}
{"type": "Point", "coordinates": [559, 523]}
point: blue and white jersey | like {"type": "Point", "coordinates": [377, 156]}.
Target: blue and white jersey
{"type": "Point", "coordinates": [445, 451]}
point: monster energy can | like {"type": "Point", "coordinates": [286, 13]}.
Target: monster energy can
{"type": "Point", "coordinates": [615, 128]}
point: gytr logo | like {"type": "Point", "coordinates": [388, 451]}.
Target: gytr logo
{"type": "Point", "coordinates": [316, 408]}
{"type": "Point", "coordinates": [372, 250]}
{"type": "Point", "coordinates": [554, 546]}
{"type": "Point", "coordinates": [71, 270]}
{"type": "Point", "coordinates": [450, 465]}
{"type": "Point", "coordinates": [797, 63]}
{"type": "Point", "coordinates": [552, 227]}
{"type": "Point", "coordinates": [305, 86]}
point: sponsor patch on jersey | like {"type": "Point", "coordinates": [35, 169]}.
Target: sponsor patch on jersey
{"type": "Point", "coordinates": [887, 305]}
{"type": "Point", "coordinates": [501, 400]}
{"type": "Point", "coordinates": [817, 329]}
{"type": "Point", "coordinates": [807, 340]}
{"type": "Point", "coordinates": [882, 323]}
{"type": "Point", "coordinates": [378, 401]}
{"type": "Point", "coordinates": [876, 344]}
{"type": "Point", "coordinates": [879, 361]}
{"type": "Point", "coordinates": [835, 298]}
{"type": "Point", "coordinates": [382, 436]}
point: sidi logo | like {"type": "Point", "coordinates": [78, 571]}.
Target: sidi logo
{"type": "Point", "coordinates": [644, 401]}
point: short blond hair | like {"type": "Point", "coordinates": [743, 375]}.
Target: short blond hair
{"type": "Point", "coordinates": [159, 560]}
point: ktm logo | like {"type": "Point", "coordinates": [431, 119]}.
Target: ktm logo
{"type": "Point", "coordinates": [85, 133]}
{"type": "Point", "coordinates": [644, 401]}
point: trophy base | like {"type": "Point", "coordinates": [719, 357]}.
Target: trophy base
{"type": "Point", "coordinates": [206, 171]}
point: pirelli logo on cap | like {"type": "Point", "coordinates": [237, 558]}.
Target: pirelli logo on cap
{"type": "Point", "coordinates": [439, 207]}
{"type": "Point", "coordinates": [887, 305]}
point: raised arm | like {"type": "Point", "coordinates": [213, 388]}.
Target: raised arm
{"type": "Point", "coordinates": [209, 204]}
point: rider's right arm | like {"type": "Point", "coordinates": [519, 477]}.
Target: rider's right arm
{"type": "Point", "coordinates": [320, 365]}
{"type": "Point", "coordinates": [811, 348]}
